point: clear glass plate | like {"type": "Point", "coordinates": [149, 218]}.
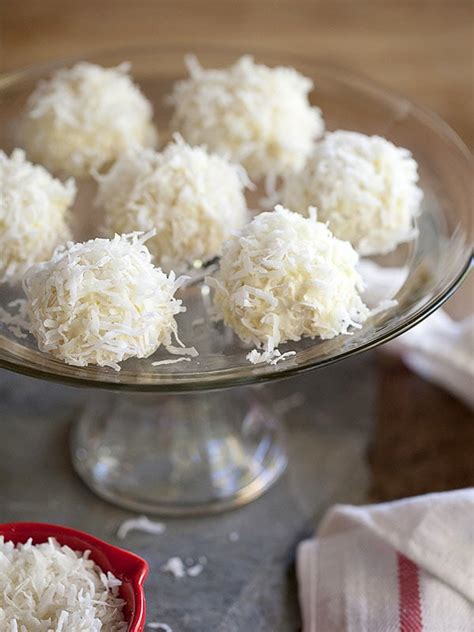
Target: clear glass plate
{"type": "Point", "coordinates": [436, 262]}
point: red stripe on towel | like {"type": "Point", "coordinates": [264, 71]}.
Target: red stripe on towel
{"type": "Point", "coordinates": [409, 596]}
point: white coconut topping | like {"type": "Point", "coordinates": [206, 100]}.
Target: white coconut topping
{"type": "Point", "coordinates": [285, 276]}
{"type": "Point", "coordinates": [273, 356]}
{"type": "Point", "coordinates": [51, 588]}
{"type": "Point", "coordinates": [33, 214]}
{"type": "Point", "coordinates": [170, 361]}
{"type": "Point", "coordinates": [101, 302]}
{"type": "Point", "coordinates": [194, 200]}
{"type": "Point", "coordinates": [259, 116]}
{"type": "Point", "coordinates": [364, 186]}
{"type": "Point", "coordinates": [84, 117]}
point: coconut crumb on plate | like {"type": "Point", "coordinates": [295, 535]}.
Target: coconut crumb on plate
{"type": "Point", "coordinates": [272, 357]}
{"type": "Point", "coordinates": [170, 361]}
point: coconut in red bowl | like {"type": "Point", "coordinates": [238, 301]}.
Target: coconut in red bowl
{"type": "Point", "coordinates": [61, 579]}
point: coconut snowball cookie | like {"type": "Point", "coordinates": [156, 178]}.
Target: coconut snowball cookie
{"type": "Point", "coordinates": [259, 116]}
{"type": "Point", "coordinates": [194, 200]}
{"type": "Point", "coordinates": [82, 118]}
{"type": "Point", "coordinates": [101, 302]}
{"type": "Point", "coordinates": [34, 210]}
{"type": "Point", "coordinates": [285, 276]}
{"type": "Point", "coordinates": [364, 186]}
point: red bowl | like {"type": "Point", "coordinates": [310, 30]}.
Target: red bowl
{"type": "Point", "coordinates": [129, 568]}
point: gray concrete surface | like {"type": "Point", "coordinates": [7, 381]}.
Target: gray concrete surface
{"type": "Point", "coordinates": [246, 586]}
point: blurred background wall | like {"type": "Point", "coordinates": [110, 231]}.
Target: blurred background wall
{"type": "Point", "coordinates": [421, 48]}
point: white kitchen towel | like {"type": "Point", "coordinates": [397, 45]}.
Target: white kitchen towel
{"type": "Point", "coordinates": [439, 349]}
{"type": "Point", "coordinates": [404, 566]}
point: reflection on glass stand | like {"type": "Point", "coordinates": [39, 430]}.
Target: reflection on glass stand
{"type": "Point", "coordinates": [179, 454]}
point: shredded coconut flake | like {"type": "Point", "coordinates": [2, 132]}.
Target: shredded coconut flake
{"type": "Point", "coordinates": [51, 588]}
{"type": "Point", "coordinates": [272, 357]}
{"type": "Point", "coordinates": [170, 361]}
{"type": "Point", "coordinates": [84, 117]}
{"type": "Point", "coordinates": [285, 276]}
{"type": "Point", "coordinates": [101, 302]}
{"type": "Point", "coordinates": [190, 351]}
{"type": "Point", "coordinates": [194, 200]}
{"type": "Point", "coordinates": [33, 214]}
{"type": "Point", "coordinates": [195, 570]}
{"type": "Point", "coordinates": [176, 567]}
{"type": "Point", "coordinates": [142, 523]}
{"type": "Point", "coordinates": [259, 116]}
{"type": "Point", "coordinates": [363, 186]}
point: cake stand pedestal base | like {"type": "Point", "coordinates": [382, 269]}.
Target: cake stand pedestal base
{"type": "Point", "coordinates": [184, 454]}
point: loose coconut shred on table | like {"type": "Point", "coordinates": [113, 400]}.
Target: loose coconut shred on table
{"type": "Point", "coordinates": [143, 524]}
{"type": "Point", "coordinates": [51, 588]}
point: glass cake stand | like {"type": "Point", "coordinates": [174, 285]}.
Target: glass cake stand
{"type": "Point", "coordinates": [199, 436]}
